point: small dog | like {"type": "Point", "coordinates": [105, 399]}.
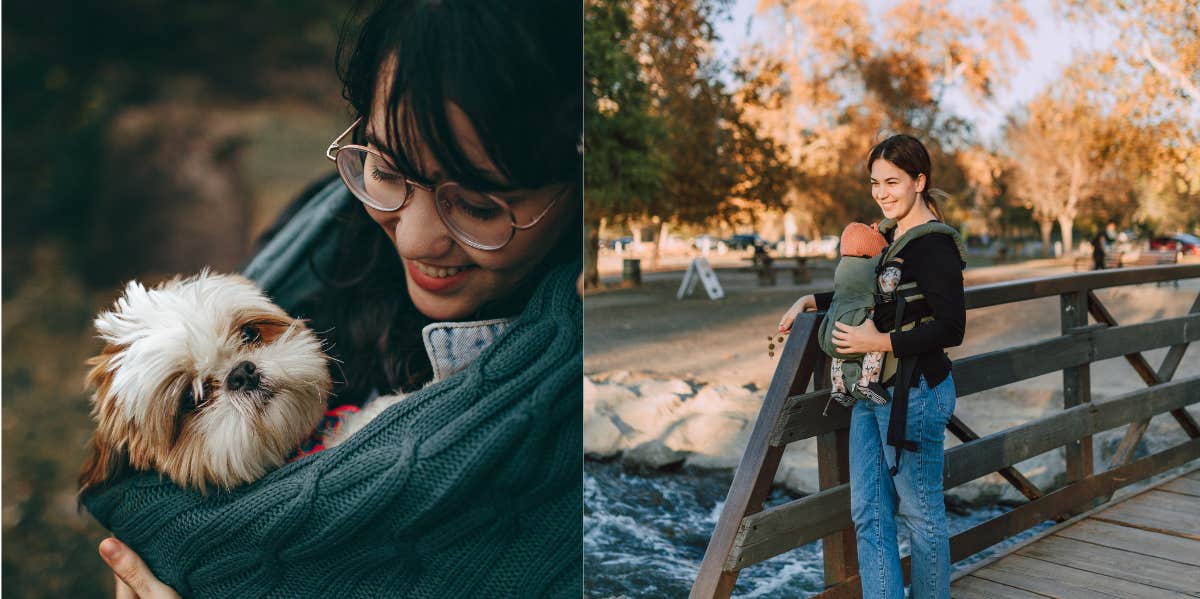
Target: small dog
{"type": "Point", "coordinates": [204, 380]}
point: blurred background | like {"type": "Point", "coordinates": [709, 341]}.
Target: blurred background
{"type": "Point", "coordinates": [142, 139]}
{"type": "Point", "coordinates": [732, 123]}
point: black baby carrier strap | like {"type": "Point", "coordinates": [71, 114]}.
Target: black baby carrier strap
{"type": "Point", "coordinates": [905, 296]}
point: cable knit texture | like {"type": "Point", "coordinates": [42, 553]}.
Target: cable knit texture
{"type": "Point", "coordinates": [470, 487]}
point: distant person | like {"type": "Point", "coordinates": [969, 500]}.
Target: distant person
{"type": "Point", "coordinates": [913, 424]}
{"type": "Point", "coordinates": [1101, 243]}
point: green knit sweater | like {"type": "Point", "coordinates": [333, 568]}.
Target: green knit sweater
{"type": "Point", "coordinates": [470, 487]}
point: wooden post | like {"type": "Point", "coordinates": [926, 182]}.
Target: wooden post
{"type": "Point", "coordinates": [840, 550]}
{"type": "Point", "coordinates": [1077, 386]}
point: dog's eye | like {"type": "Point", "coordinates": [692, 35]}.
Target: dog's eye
{"type": "Point", "coordinates": [251, 334]}
{"type": "Point", "coordinates": [187, 401]}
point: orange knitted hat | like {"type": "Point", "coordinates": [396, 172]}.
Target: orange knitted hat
{"type": "Point", "coordinates": [862, 240]}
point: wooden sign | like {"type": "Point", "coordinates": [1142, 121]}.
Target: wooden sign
{"type": "Point", "coordinates": [700, 271]}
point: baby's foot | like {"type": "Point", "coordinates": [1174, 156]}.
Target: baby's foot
{"type": "Point", "coordinates": [874, 392]}
{"type": "Point", "coordinates": [845, 399]}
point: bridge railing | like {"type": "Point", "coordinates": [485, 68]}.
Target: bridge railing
{"type": "Point", "coordinates": [746, 534]}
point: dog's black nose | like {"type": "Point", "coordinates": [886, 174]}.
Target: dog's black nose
{"type": "Point", "coordinates": [243, 377]}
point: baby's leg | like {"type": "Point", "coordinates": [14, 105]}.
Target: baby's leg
{"type": "Point", "coordinates": [869, 384]}
{"type": "Point", "coordinates": [838, 384]}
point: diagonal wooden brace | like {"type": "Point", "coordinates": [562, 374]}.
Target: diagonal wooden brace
{"type": "Point", "coordinates": [1011, 474]}
{"type": "Point", "coordinates": [1135, 432]}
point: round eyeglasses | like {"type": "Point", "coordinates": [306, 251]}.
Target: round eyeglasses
{"type": "Point", "coordinates": [480, 220]}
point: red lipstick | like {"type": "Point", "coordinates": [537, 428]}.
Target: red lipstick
{"type": "Point", "coordinates": [434, 284]}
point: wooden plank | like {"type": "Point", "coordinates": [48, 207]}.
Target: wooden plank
{"type": "Point", "coordinates": [1061, 581]}
{"type": "Point", "coordinates": [1142, 569]}
{"type": "Point", "coordinates": [1014, 477]}
{"type": "Point", "coordinates": [971, 587]}
{"type": "Point", "coordinates": [754, 474]}
{"type": "Point", "coordinates": [1077, 387]}
{"type": "Point", "coordinates": [1135, 540]}
{"type": "Point", "coordinates": [980, 296]}
{"type": "Point", "coordinates": [1183, 486]}
{"type": "Point", "coordinates": [1160, 511]}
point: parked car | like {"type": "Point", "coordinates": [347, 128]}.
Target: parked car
{"type": "Point", "coordinates": [742, 241]}
{"type": "Point", "coordinates": [612, 243]}
{"type": "Point", "coordinates": [1184, 243]}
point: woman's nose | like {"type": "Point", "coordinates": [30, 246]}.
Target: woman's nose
{"type": "Point", "coordinates": [420, 232]}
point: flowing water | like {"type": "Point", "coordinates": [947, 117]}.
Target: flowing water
{"type": "Point", "coordinates": [645, 532]}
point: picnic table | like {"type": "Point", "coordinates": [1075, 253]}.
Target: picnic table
{"type": "Point", "coordinates": [766, 266]}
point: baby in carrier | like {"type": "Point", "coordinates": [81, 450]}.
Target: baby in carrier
{"type": "Point", "coordinates": [856, 376]}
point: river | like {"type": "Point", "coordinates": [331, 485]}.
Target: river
{"type": "Point", "coordinates": [645, 532]}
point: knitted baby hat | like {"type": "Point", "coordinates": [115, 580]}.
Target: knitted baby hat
{"type": "Point", "coordinates": [862, 240]}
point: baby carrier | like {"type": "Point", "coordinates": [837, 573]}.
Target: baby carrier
{"type": "Point", "coordinates": [857, 292]}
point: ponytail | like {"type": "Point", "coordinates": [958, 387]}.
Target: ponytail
{"type": "Point", "coordinates": [931, 198]}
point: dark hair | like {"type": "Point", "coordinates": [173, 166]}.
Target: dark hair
{"type": "Point", "coordinates": [910, 156]}
{"type": "Point", "coordinates": [516, 69]}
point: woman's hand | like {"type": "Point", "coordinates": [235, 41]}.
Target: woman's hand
{"type": "Point", "coordinates": [134, 579]}
{"type": "Point", "coordinates": [807, 303]}
{"type": "Point", "coordinates": [861, 339]}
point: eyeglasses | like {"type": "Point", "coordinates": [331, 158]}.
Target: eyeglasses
{"type": "Point", "coordinates": [480, 220]}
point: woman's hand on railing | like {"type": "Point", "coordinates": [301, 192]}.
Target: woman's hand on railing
{"type": "Point", "coordinates": [806, 303]}
{"type": "Point", "coordinates": [134, 579]}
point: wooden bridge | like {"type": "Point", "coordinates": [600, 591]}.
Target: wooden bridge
{"type": "Point", "coordinates": [1145, 546]}
{"type": "Point", "coordinates": [746, 534]}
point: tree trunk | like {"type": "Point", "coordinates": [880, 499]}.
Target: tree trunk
{"type": "Point", "coordinates": [1065, 225]}
{"type": "Point", "coordinates": [591, 252]}
{"type": "Point", "coordinates": [658, 245]}
{"type": "Point", "coordinates": [1046, 226]}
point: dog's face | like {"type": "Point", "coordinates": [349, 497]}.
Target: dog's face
{"type": "Point", "coordinates": [202, 379]}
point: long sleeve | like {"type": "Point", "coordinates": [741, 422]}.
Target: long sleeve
{"type": "Point", "coordinates": [934, 263]}
{"type": "Point", "coordinates": [824, 299]}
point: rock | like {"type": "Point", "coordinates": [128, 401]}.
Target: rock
{"type": "Point", "coordinates": [712, 440]}
{"type": "Point", "coordinates": [648, 417]}
{"type": "Point", "coordinates": [659, 387]}
{"type": "Point", "coordinates": [601, 436]}
{"type": "Point", "coordinates": [654, 454]}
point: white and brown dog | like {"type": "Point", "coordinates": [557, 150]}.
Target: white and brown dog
{"type": "Point", "coordinates": [203, 379]}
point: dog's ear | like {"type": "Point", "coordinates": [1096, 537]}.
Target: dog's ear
{"type": "Point", "coordinates": [106, 459]}
{"type": "Point", "coordinates": [105, 462]}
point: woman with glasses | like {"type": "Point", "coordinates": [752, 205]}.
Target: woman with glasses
{"type": "Point", "coordinates": [447, 271]}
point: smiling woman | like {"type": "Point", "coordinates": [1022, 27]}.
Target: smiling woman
{"type": "Point", "coordinates": [441, 265]}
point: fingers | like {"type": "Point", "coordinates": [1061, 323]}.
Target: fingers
{"type": "Point", "coordinates": [785, 325]}
{"type": "Point", "coordinates": [123, 590]}
{"type": "Point", "coordinates": [132, 571]}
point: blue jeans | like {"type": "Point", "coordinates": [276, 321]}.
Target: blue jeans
{"type": "Point", "coordinates": [915, 494]}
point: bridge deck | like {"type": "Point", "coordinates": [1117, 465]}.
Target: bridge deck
{"type": "Point", "coordinates": [1147, 545]}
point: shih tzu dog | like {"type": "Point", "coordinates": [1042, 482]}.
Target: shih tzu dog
{"type": "Point", "coordinates": [204, 380]}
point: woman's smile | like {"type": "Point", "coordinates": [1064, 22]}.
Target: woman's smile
{"type": "Point", "coordinates": [435, 278]}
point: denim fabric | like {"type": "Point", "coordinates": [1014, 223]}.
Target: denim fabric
{"type": "Point", "coordinates": [914, 494]}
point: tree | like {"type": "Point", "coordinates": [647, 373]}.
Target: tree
{"type": "Point", "coordinates": [623, 157]}
{"type": "Point", "coordinates": [850, 85]}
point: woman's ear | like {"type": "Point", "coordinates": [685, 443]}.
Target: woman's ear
{"type": "Point", "coordinates": [920, 183]}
